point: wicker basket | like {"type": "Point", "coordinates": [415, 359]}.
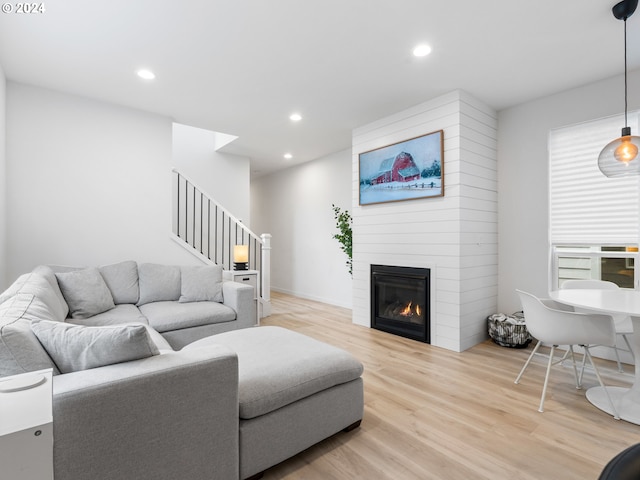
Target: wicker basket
{"type": "Point", "coordinates": [507, 334]}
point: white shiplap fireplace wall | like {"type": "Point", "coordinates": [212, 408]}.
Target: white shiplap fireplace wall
{"type": "Point", "coordinates": [456, 236]}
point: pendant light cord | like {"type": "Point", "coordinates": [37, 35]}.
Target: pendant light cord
{"type": "Point", "coordinates": [625, 73]}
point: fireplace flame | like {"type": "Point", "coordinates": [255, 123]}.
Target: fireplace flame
{"type": "Point", "coordinates": [409, 310]}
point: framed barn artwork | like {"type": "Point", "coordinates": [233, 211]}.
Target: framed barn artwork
{"type": "Point", "coordinates": [405, 170]}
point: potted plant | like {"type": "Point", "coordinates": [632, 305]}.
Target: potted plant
{"type": "Point", "coordinates": [343, 224]}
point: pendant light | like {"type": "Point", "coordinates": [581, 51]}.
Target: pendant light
{"type": "Point", "coordinates": [620, 157]}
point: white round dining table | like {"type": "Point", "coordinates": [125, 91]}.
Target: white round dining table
{"type": "Point", "coordinates": [625, 400]}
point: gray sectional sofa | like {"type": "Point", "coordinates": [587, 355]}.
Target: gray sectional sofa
{"type": "Point", "coordinates": [182, 303]}
{"type": "Point", "coordinates": [157, 377]}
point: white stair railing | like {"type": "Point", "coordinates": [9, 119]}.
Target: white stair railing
{"type": "Point", "coordinates": [209, 231]}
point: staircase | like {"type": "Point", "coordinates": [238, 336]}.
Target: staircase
{"type": "Point", "coordinates": [209, 231]}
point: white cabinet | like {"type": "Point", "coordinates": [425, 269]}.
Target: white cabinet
{"type": "Point", "coordinates": [248, 277]}
{"type": "Point", "coordinates": [26, 426]}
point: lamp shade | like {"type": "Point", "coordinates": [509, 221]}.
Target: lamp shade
{"type": "Point", "coordinates": [241, 253]}
{"type": "Point", "coordinates": [620, 157]}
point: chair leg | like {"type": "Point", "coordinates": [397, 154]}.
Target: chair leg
{"type": "Point", "coordinates": [629, 349]}
{"type": "Point", "coordinates": [626, 340]}
{"type": "Point", "coordinates": [595, 369]}
{"type": "Point", "coordinates": [546, 378]}
{"type": "Point", "coordinates": [584, 364]}
{"type": "Point", "coordinates": [615, 349]}
{"type": "Point", "coordinates": [575, 369]}
{"type": "Point", "coordinates": [527, 362]}
{"type": "Point", "coordinates": [568, 352]}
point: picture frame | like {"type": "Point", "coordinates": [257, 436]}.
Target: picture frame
{"type": "Point", "coordinates": [406, 170]}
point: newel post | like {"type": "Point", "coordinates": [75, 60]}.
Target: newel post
{"type": "Point", "coordinates": [266, 274]}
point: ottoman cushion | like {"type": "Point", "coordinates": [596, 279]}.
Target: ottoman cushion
{"type": "Point", "coordinates": [278, 367]}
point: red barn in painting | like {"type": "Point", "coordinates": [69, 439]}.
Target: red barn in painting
{"type": "Point", "coordinates": [402, 168]}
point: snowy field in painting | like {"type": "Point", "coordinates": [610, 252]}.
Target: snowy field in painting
{"type": "Point", "coordinates": [393, 191]}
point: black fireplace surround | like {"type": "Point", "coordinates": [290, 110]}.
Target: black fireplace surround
{"type": "Point", "coordinates": [400, 301]}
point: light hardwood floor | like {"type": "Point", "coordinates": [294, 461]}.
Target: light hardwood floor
{"type": "Point", "coordinates": [435, 414]}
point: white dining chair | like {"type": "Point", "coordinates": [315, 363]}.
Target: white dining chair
{"type": "Point", "coordinates": [622, 323]}
{"type": "Point", "coordinates": [552, 324]}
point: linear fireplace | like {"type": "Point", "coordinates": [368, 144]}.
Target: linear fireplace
{"type": "Point", "coordinates": [400, 301]}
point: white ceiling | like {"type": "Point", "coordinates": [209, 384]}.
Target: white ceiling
{"type": "Point", "coordinates": [242, 66]}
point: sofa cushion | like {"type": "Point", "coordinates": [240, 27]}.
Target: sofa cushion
{"type": "Point", "coordinates": [20, 350]}
{"type": "Point", "coordinates": [50, 276]}
{"type": "Point", "coordinates": [86, 292]}
{"type": "Point", "coordinates": [158, 283]}
{"type": "Point", "coordinates": [122, 314]}
{"type": "Point", "coordinates": [122, 280]}
{"type": "Point", "coordinates": [201, 284]}
{"type": "Point", "coordinates": [76, 347]}
{"type": "Point", "coordinates": [14, 288]}
{"type": "Point", "coordinates": [278, 367]}
{"type": "Point", "coordinates": [35, 283]}
{"type": "Point", "coordinates": [165, 316]}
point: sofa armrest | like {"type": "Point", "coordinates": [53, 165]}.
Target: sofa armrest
{"type": "Point", "coordinates": [240, 297]}
{"type": "Point", "coordinates": [165, 417]}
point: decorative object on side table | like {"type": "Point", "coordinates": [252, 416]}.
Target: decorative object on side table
{"type": "Point", "coordinates": [240, 257]}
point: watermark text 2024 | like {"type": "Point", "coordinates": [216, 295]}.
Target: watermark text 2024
{"type": "Point", "coordinates": [23, 8]}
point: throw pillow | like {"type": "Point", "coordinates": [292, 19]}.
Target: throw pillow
{"type": "Point", "coordinates": [50, 276]}
{"type": "Point", "coordinates": [20, 350]}
{"type": "Point", "coordinates": [85, 292]}
{"type": "Point", "coordinates": [76, 347]}
{"type": "Point", "coordinates": [159, 341]}
{"type": "Point", "coordinates": [158, 283]}
{"type": "Point", "coordinates": [201, 284]}
{"type": "Point", "coordinates": [37, 284]}
{"type": "Point", "coordinates": [122, 280]}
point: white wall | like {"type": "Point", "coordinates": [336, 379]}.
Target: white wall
{"type": "Point", "coordinates": [3, 184]}
{"type": "Point", "coordinates": [294, 206]}
{"type": "Point", "coordinates": [224, 177]}
{"type": "Point", "coordinates": [523, 177]}
{"type": "Point", "coordinates": [89, 183]}
{"type": "Point", "coordinates": [455, 235]}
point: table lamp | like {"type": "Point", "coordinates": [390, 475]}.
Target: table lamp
{"type": "Point", "coordinates": [240, 257]}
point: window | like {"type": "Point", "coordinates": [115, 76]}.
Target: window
{"type": "Point", "coordinates": [614, 264]}
{"type": "Point", "coordinates": [594, 221]}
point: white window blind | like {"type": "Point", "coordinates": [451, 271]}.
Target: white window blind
{"type": "Point", "coordinates": [585, 207]}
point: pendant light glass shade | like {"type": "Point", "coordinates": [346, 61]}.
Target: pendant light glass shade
{"type": "Point", "coordinates": [620, 157]}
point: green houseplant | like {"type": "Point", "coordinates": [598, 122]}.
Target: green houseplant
{"type": "Point", "coordinates": [343, 224]}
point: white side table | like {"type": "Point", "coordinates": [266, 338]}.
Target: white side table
{"type": "Point", "coordinates": [26, 426]}
{"type": "Point", "coordinates": [249, 277]}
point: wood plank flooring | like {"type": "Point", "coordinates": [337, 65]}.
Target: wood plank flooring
{"type": "Point", "coordinates": [439, 415]}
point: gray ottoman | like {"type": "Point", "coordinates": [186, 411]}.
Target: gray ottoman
{"type": "Point", "coordinates": [294, 391]}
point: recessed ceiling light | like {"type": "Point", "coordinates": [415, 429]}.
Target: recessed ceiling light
{"type": "Point", "coordinates": [146, 74]}
{"type": "Point", "coordinates": [288, 156]}
{"type": "Point", "coordinates": [295, 117]}
{"type": "Point", "coordinates": [422, 50]}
